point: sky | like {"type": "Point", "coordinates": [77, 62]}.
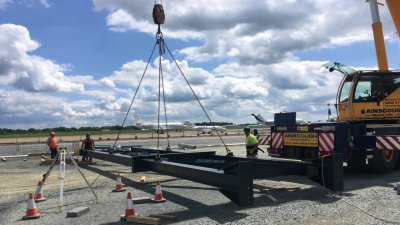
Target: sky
{"type": "Point", "coordinates": [79, 63]}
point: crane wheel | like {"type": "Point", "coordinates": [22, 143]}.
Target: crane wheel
{"type": "Point", "coordinates": [383, 161]}
{"type": "Point", "coordinates": [388, 156]}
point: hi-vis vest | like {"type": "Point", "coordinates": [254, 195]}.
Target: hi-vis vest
{"type": "Point", "coordinates": [250, 140]}
{"type": "Point", "coordinates": [52, 142]}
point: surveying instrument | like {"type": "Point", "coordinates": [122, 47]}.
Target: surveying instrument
{"type": "Point", "coordinates": [62, 154]}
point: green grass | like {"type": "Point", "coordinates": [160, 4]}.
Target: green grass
{"type": "Point", "coordinates": [76, 133]}
{"type": "Point", "coordinates": [103, 132]}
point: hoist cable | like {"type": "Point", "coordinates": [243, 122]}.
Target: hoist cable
{"type": "Point", "coordinates": [159, 18]}
{"type": "Point", "coordinates": [229, 153]}
{"type": "Point", "coordinates": [163, 92]}
{"type": "Point", "coordinates": [159, 96]}
{"type": "Point", "coordinates": [134, 96]}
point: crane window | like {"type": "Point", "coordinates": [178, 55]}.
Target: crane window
{"type": "Point", "coordinates": [368, 89]}
{"type": "Point", "coordinates": [390, 84]}
{"type": "Point", "coordinates": [344, 94]}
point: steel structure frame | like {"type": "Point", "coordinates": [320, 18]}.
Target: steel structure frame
{"type": "Point", "coordinates": [233, 175]}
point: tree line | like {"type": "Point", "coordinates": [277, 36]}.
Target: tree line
{"type": "Point", "coordinates": [62, 129]}
{"type": "Point", "coordinates": [82, 129]}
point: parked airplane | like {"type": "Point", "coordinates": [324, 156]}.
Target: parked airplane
{"type": "Point", "coordinates": [154, 126]}
{"type": "Point", "coordinates": [263, 121]}
{"type": "Point", "coordinates": [205, 129]}
{"type": "Point", "coordinates": [177, 126]}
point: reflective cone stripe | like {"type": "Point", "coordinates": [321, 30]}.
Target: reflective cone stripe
{"type": "Point", "coordinates": [119, 186]}
{"type": "Point", "coordinates": [158, 197]}
{"type": "Point", "coordinates": [129, 211]}
{"type": "Point", "coordinates": [119, 183]}
{"type": "Point", "coordinates": [38, 193]}
{"type": "Point", "coordinates": [31, 211]}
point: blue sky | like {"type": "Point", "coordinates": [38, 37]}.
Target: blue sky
{"type": "Point", "coordinates": [78, 63]}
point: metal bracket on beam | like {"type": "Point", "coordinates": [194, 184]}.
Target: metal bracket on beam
{"type": "Point", "coordinates": [330, 172]}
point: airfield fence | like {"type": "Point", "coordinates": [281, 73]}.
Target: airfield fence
{"type": "Point", "coordinates": [34, 148]}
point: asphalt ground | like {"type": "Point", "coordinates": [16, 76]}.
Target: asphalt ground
{"type": "Point", "coordinates": [366, 199]}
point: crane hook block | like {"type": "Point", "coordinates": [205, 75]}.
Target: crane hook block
{"type": "Point", "coordinates": [158, 14]}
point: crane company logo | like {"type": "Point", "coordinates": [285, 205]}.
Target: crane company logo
{"type": "Point", "coordinates": [379, 111]}
{"type": "Point", "coordinates": [300, 139]}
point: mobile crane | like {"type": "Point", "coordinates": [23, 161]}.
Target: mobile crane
{"type": "Point", "coordinates": [367, 130]}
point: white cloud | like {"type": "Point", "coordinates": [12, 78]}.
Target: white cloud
{"type": "Point", "coordinates": [264, 32]}
{"type": "Point", "coordinates": [232, 90]}
{"type": "Point", "coordinates": [107, 82]}
{"type": "Point", "coordinates": [20, 109]}
{"type": "Point", "coordinates": [256, 44]}
{"type": "Point", "coordinates": [29, 72]}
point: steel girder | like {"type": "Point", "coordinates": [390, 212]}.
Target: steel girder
{"type": "Point", "coordinates": [233, 175]}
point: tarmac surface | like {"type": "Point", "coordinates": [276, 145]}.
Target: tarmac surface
{"type": "Point", "coordinates": [367, 198]}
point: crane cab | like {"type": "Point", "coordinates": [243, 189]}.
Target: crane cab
{"type": "Point", "coordinates": [369, 95]}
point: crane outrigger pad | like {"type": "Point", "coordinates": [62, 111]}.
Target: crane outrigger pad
{"type": "Point", "coordinates": [233, 175]}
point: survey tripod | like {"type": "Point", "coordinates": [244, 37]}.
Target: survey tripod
{"type": "Point", "coordinates": [62, 154]}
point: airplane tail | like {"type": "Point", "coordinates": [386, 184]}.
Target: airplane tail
{"type": "Point", "coordinates": [136, 122]}
{"type": "Point", "coordinates": [136, 118]}
{"type": "Point", "coordinates": [138, 125]}
{"type": "Point", "coordinates": [189, 124]}
{"type": "Point", "coordinates": [259, 118]}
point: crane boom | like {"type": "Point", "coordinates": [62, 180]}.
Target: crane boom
{"type": "Point", "coordinates": [378, 36]}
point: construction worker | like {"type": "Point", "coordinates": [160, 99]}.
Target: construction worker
{"type": "Point", "coordinates": [251, 143]}
{"type": "Point", "coordinates": [53, 144]}
{"type": "Point", "coordinates": [87, 144]}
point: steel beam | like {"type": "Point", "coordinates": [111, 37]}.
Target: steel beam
{"type": "Point", "coordinates": [125, 160]}
{"type": "Point", "coordinates": [236, 186]}
{"type": "Point", "coordinates": [233, 175]}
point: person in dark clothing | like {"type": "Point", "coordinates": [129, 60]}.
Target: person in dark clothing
{"type": "Point", "coordinates": [87, 144]}
{"type": "Point", "coordinates": [255, 133]}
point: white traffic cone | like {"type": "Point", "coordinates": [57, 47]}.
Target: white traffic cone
{"type": "Point", "coordinates": [158, 197]}
{"type": "Point", "coordinates": [39, 194]}
{"type": "Point", "coordinates": [119, 187]}
{"type": "Point", "coordinates": [129, 211]}
{"type": "Point", "coordinates": [31, 211]}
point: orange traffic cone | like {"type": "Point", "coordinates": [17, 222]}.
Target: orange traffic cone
{"type": "Point", "coordinates": [119, 187]}
{"type": "Point", "coordinates": [142, 180]}
{"type": "Point", "coordinates": [158, 197]}
{"type": "Point", "coordinates": [129, 211]}
{"type": "Point", "coordinates": [31, 211]}
{"type": "Point", "coordinates": [39, 194]}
